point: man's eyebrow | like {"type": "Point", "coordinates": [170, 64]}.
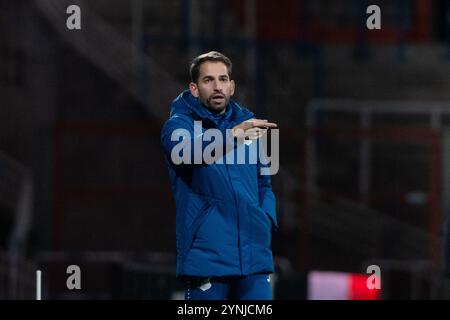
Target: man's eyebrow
{"type": "Point", "coordinates": [211, 77]}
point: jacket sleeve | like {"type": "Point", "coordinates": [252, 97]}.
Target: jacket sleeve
{"type": "Point", "coordinates": [179, 133]}
{"type": "Point", "coordinates": [267, 199]}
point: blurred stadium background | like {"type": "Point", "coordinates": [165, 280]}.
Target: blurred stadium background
{"type": "Point", "coordinates": [364, 119]}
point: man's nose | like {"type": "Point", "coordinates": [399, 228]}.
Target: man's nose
{"type": "Point", "coordinates": [217, 86]}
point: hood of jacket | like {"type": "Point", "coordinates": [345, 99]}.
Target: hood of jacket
{"type": "Point", "coordinates": [186, 104]}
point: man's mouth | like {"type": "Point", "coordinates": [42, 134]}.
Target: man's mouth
{"type": "Point", "coordinates": [218, 98]}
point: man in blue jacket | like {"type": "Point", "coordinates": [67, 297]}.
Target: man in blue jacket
{"type": "Point", "coordinates": [225, 209]}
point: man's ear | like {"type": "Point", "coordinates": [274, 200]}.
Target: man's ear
{"type": "Point", "coordinates": [194, 89]}
{"type": "Point", "coordinates": [233, 87]}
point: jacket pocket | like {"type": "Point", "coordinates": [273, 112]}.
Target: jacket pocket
{"type": "Point", "coordinates": [261, 226]}
{"type": "Point", "coordinates": [272, 220]}
{"type": "Point", "coordinates": [268, 216]}
{"type": "Point", "coordinates": [196, 212]}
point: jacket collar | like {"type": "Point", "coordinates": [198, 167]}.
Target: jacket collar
{"type": "Point", "coordinates": [187, 104]}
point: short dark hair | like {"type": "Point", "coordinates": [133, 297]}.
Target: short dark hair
{"type": "Point", "coordinates": [212, 56]}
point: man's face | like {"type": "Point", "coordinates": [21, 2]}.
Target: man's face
{"type": "Point", "coordinates": [214, 86]}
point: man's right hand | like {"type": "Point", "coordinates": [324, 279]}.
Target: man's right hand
{"type": "Point", "coordinates": [252, 129]}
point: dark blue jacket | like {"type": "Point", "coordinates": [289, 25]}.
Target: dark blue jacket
{"type": "Point", "coordinates": [225, 213]}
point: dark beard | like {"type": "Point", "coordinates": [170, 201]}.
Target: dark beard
{"type": "Point", "coordinates": [215, 109]}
